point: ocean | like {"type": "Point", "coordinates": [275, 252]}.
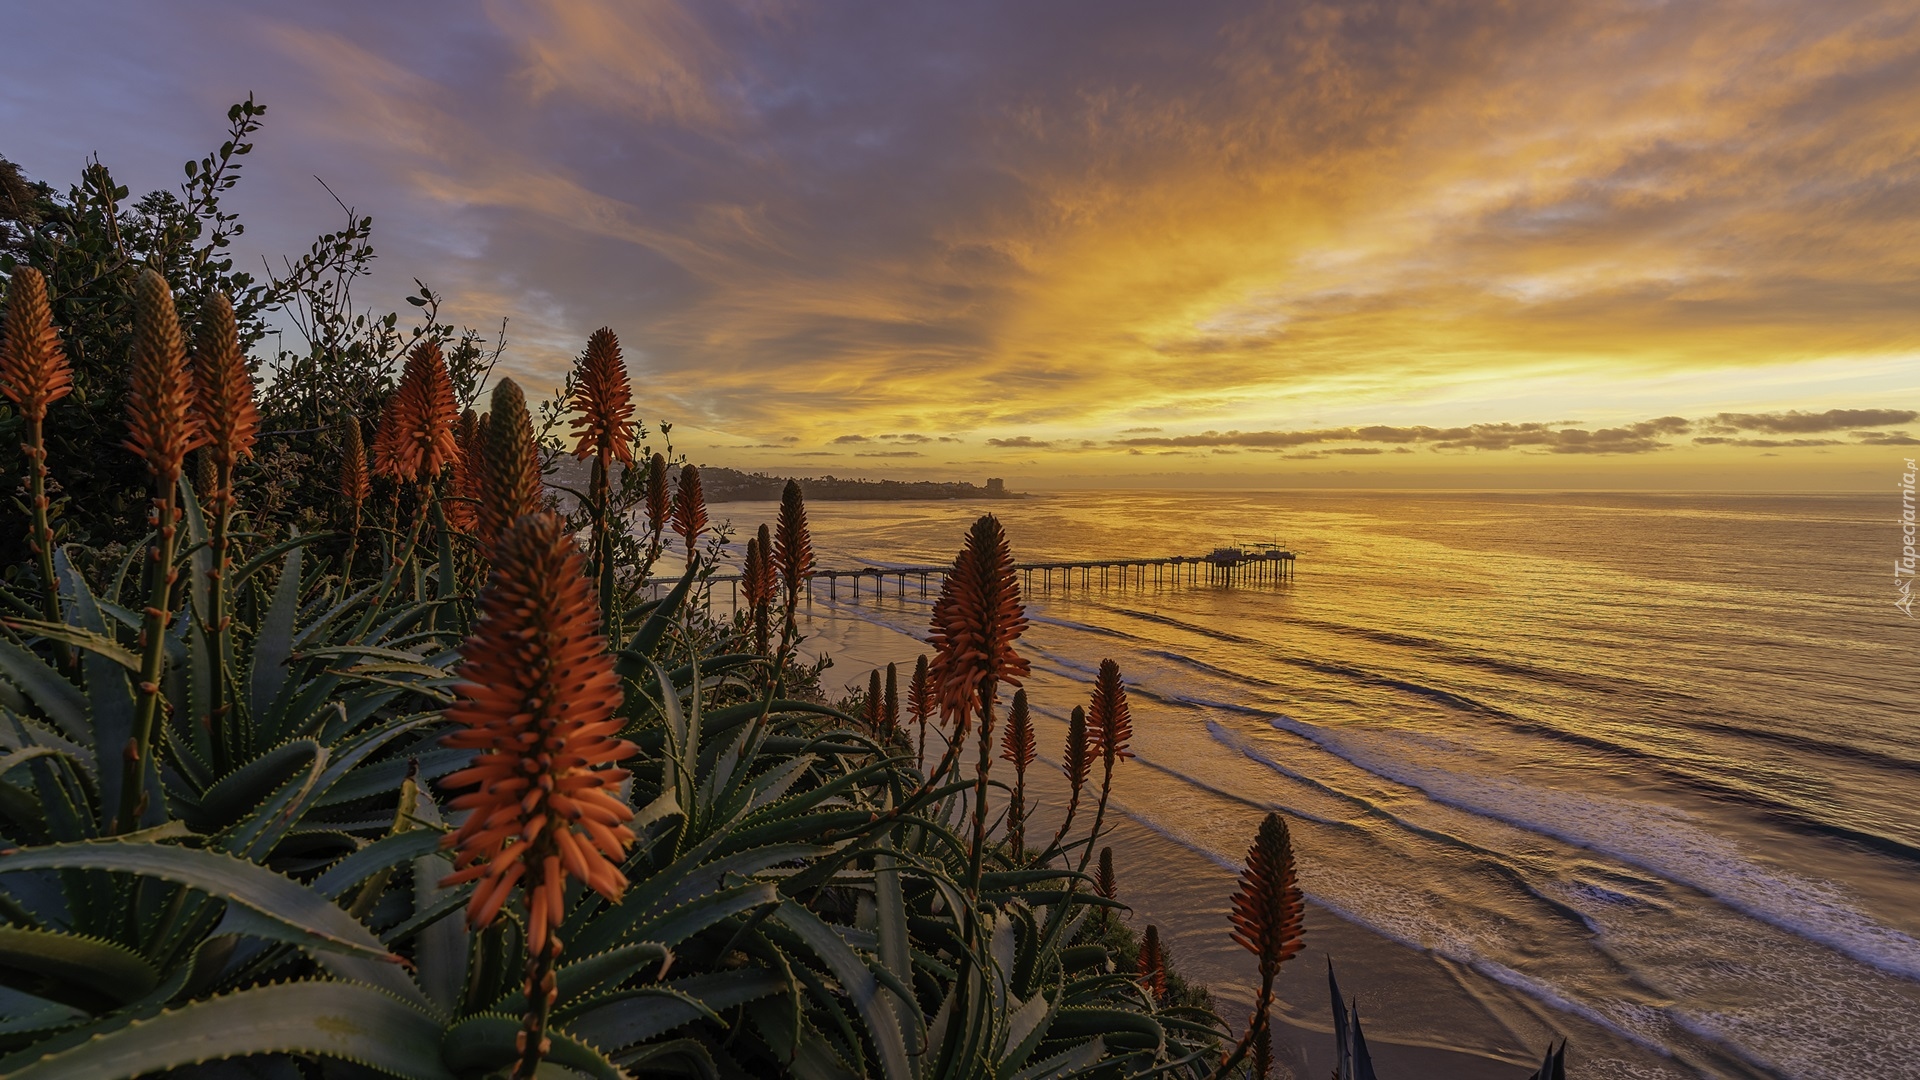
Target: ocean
{"type": "Point", "coordinates": [1639, 771]}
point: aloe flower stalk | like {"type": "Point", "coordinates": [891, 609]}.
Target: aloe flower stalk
{"type": "Point", "coordinates": [1104, 881]}
{"type": "Point", "coordinates": [1017, 746]}
{"type": "Point", "coordinates": [230, 424]}
{"type": "Point", "coordinates": [507, 467]}
{"type": "Point", "coordinates": [161, 429]}
{"type": "Point", "coordinates": [33, 375]}
{"type": "Point", "coordinates": [659, 507]}
{"type": "Point", "coordinates": [689, 511]}
{"type": "Point", "coordinates": [355, 486]}
{"type": "Point", "coordinates": [1109, 726]}
{"type": "Point", "coordinates": [413, 446]}
{"type": "Point", "coordinates": [415, 442]}
{"type": "Point", "coordinates": [890, 702]}
{"type": "Point", "coordinates": [757, 585]}
{"type": "Point", "coordinates": [793, 554]}
{"type": "Point", "coordinates": [920, 706]}
{"type": "Point", "coordinates": [976, 621]}
{"type": "Point", "coordinates": [604, 430]}
{"type": "Point", "coordinates": [1266, 918]}
{"type": "Point", "coordinates": [1152, 965]}
{"type": "Point", "coordinates": [1077, 763]}
{"type": "Point", "coordinates": [536, 701]}
{"type": "Point", "coordinates": [870, 711]}
{"type": "Point", "coordinates": [462, 487]}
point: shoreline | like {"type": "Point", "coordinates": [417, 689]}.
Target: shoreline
{"type": "Point", "coordinates": [1425, 1017]}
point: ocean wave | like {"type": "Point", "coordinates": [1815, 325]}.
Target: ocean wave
{"type": "Point", "coordinates": [1657, 838]}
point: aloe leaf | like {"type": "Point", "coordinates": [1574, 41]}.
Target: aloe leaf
{"type": "Point", "coordinates": [63, 702]}
{"type": "Point", "coordinates": [856, 980]}
{"type": "Point", "coordinates": [685, 880]}
{"type": "Point", "coordinates": [1067, 1062]}
{"type": "Point", "coordinates": [385, 853]}
{"type": "Point", "coordinates": [21, 1012]}
{"type": "Point", "coordinates": [98, 644]}
{"type": "Point", "coordinates": [280, 908]}
{"type": "Point", "coordinates": [384, 776]}
{"type": "Point", "coordinates": [632, 661]}
{"type": "Point", "coordinates": [634, 1016]}
{"type": "Point", "coordinates": [486, 1042]}
{"type": "Point", "coordinates": [681, 923]}
{"type": "Point", "coordinates": [328, 1019]}
{"type": "Point", "coordinates": [102, 969]}
{"type": "Point", "coordinates": [442, 949]}
{"type": "Point", "coordinates": [1121, 1028]}
{"type": "Point", "coordinates": [890, 924]}
{"type": "Point", "coordinates": [257, 834]}
{"type": "Point", "coordinates": [228, 800]}
{"type": "Point", "coordinates": [1026, 1030]}
{"type": "Point", "coordinates": [110, 702]}
{"type": "Point", "coordinates": [260, 562]}
{"type": "Point", "coordinates": [592, 974]}
{"type": "Point", "coordinates": [274, 645]}
{"type": "Point", "coordinates": [201, 555]}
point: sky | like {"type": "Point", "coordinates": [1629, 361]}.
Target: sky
{"type": "Point", "coordinates": [1555, 244]}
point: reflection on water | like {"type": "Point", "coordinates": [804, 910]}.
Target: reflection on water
{"type": "Point", "coordinates": [1646, 762]}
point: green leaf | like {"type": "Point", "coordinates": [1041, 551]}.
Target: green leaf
{"type": "Point", "coordinates": [595, 973]}
{"type": "Point", "coordinates": [385, 853]}
{"type": "Point", "coordinates": [328, 1019]}
{"type": "Point", "coordinates": [98, 644]}
{"type": "Point", "coordinates": [272, 906]}
{"type": "Point", "coordinates": [486, 1042]}
{"type": "Point", "coordinates": [102, 968]}
{"type": "Point", "coordinates": [274, 645]}
{"type": "Point", "coordinates": [856, 980]}
{"type": "Point", "coordinates": [634, 1016]}
{"type": "Point", "coordinates": [632, 661]}
{"type": "Point", "coordinates": [62, 701]}
{"type": "Point", "coordinates": [237, 793]}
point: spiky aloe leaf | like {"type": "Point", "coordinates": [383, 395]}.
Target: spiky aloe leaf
{"type": "Point", "coordinates": [1120, 1028]}
{"type": "Point", "coordinates": [329, 1019]}
{"type": "Point", "coordinates": [633, 1017]}
{"type": "Point", "coordinates": [23, 1013]}
{"type": "Point", "coordinates": [272, 906]}
{"type": "Point", "coordinates": [484, 1043]}
{"type": "Point", "coordinates": [63, 702]}
{"type": "Point", "coordinates": [856, 980]}
{"type": "Point", "coordinates": [99, 970]}
{"type": "Point", "coordinates": [895, 938]}
{"type": "Point", "coordinates": [633, 660]}
{"type": "Point", "coordinates": [97, 644]}
{"type": "Point", "coordinates": [238, 792]}
{"type": "Point", "coordinates": [1026, 1029]}
{"type": "Point", "coordinates": [1065, 1063]}
{"type": "Point", "coordinates": [274, 644]}
{"type": "Point", "coordinates": [385, 853]}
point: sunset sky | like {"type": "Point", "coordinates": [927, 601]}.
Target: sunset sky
{"type": "Point", "coordinates": [1562, 243]}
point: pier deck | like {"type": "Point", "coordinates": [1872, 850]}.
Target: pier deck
{"type": "Point", "coordinates": [1223, 566]}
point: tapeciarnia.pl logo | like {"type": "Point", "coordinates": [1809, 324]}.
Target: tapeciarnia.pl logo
{"type": "Point", "coordinates": [1903, 566]}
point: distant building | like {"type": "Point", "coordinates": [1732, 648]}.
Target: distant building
{"type": "Point", "coordinates": [996, 487]}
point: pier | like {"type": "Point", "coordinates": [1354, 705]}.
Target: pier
{"type": "Point", "coordinates": [1227, 566]}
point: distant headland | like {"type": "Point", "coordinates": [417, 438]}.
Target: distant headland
{"type": "Point", "coordinates": [731, 485]}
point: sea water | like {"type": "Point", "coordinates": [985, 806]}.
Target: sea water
{"type": "Point", "coordinates": [1637, 770]}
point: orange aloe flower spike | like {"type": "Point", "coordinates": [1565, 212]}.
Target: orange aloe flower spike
{"type": "Point", "coordinates": [603, 401]}
{"type": "Point", "coordinates": [33, 367]}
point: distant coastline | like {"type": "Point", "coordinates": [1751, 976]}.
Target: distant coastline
{"type": "Point", "coordinates": [731, 485]}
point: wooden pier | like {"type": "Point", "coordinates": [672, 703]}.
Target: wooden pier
{"type": "Point", "coordinates": [1222, 566]}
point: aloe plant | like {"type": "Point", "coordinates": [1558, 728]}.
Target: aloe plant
{"type": "Point", "coordinates": [267, 878]}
